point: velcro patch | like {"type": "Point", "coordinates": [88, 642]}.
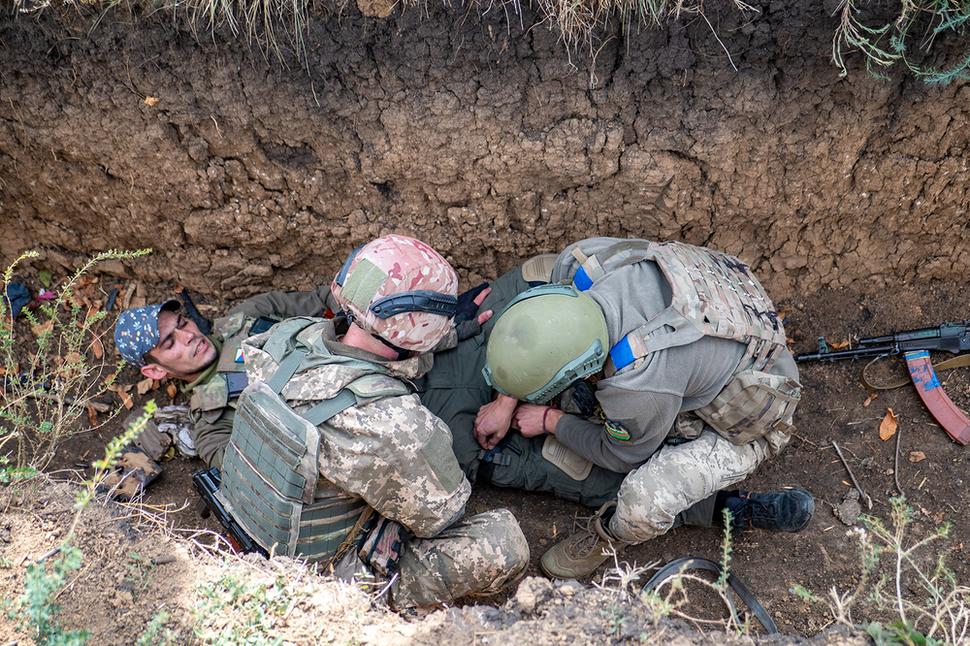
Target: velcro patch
{"type": "Point", "coordinates": [616, 430]}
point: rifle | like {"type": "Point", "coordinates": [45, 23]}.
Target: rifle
{"type": "Point", "coordinates": [916, 346]}
{"type": "Point", "coordinates": [207, 484]}
{"type": "Point", "coordinates": [949, 337]}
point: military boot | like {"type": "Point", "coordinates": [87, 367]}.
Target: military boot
{"type": "Point", "coordinates": [585, 550]}
{"type": "Point", "coordinates": [788, 510]}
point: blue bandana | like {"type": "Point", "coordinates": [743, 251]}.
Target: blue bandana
{"type": "Point", "coordinates": [136, 331]}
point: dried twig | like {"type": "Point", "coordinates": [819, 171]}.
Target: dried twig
{"type": "Point", "coordinates": [852, 475]}
{"type": "Point", "coordinates": [899, 487]}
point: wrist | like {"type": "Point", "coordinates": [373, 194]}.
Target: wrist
{"type": "Point", "coordinates": [550, 419]}
{"type": "Point", "coordinates": [506, 403]}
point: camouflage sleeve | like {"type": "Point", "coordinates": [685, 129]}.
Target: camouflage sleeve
{"type": "Point", "coordinates": [282, 305]}
{"type": "Point", "coordinates": [397, 455]}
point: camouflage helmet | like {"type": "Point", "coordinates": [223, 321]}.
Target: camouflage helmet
{"type": "Point", "coordinates": [544, 340]}
{"type": "Point", "coordinates": [399, 289]}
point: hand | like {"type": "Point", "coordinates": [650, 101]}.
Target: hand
{"type": "Point", "coordinates": [530, 419]}
{"type": "Point", "coordinates": [465, 326]}
{"type": "Point", "coordinates": [487, 314]}
{"type": "Point", "coordinates": [493, 420]}
{"type": "Point", "coordinates": [470, 301]}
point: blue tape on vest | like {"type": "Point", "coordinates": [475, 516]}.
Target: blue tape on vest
{"type": "Point", "coordinates": [581, 281]}
{"type": "Point", "coordinates": [622, 354]}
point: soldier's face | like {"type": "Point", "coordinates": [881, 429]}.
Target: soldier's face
{"type": "Point", "coordinates": [183, 350]}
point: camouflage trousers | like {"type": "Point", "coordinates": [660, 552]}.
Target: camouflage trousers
{"type": "Point", "coordinates": [476, 556]}
{"type": "Point", "coordinates": [679, 477]}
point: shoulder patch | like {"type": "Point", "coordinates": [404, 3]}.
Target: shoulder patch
{"type": "Point", "coordinates": [378, 386]}
{"type": "Point", "coordinates": [616, 430]}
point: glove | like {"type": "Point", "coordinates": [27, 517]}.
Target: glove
{"type": "Point", "coordinates": [467, 310]}
{"type": "Point", "coordinates": [468, 329]}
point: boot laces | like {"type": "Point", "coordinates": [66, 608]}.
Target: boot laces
{"type": "Point", "coordinates": [589, 533]}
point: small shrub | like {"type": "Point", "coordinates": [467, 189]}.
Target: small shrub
{"type": "Point", "coordinates": [903, 576]}
{"type": "Point", "coordinates": [52, 373]}
{"type": "Point", "coordinates": [38, 607]}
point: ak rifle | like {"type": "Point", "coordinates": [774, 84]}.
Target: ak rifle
{"type": "Point", "coordinates": [207, 484]}
{"type": "Point", "coordinates": [916, 346]}
{"type": "Point", "coordinates": [949, 337]}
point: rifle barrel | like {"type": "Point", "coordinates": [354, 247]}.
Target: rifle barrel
{"type": "Point", "coordinates": [854, 353]}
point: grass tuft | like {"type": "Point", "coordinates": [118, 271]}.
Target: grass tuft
{"type": "Point", "coordinates": [907, 38]}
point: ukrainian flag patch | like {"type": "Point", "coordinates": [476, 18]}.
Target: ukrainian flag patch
{"type": "Point", "coordinates": [616, 430]}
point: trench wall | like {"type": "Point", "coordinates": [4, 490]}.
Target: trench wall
{"type": "Point", "coordinates": [487, 139]}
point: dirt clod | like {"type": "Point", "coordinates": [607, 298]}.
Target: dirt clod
{"type": "Point", "coordinates": [849, 509]}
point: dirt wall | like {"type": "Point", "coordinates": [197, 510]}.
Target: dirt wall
{"type": "Point", "coordinates": [481, 137]}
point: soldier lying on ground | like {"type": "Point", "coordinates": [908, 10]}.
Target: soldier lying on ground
{"type": "Point", "coordinates": [363, 477]}
{"type": "Point", "coordinates": [211, 366]}
{"type": "Point", "coordinates": [693, 387]}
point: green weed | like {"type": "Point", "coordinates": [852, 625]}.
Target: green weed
{"type": "Point", "coordinates": [37, 606]}
{"type": "Point", "coordinates": [905, 576]}
{"type": "Point", "coordinates": [157, 633]}
{"type": "Point", "coordinates": [235, 611]}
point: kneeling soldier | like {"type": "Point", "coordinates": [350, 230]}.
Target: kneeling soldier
{"type": "Point", "coordinates": [692, 383]}
{"type": "Point", "coordinates": [334, 459]}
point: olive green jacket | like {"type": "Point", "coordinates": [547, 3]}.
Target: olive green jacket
{"type": "Point", "coordinates": [211, 406]}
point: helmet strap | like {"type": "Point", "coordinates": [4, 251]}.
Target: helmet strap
{"type": "Point", "coordinates": [402, 354]}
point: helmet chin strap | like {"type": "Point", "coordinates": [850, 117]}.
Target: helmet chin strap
{"type": "Point", "coordinates": [402, 354]}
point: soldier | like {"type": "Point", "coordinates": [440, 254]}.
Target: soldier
{"type": "Point", "coordinates": [694, 387]}
{"type": "Point", "coordinates": [333, 458]}
{"type": "Point", "coordinates": [454, 390]}
{"type": "Point", "coordinates": [166, 343]}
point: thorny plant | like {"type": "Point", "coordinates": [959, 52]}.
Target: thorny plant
{"type": "Point", "coordinates": [52, 373]}
{"type": "Point", "coordinates": [917, 25]}
{"type": "Point", "coordinates": [906, 576]}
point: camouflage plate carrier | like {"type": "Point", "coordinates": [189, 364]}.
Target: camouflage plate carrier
{"type": "Point", "coordinates": [713, 294]}
{"type": "Point", "coordinates": [271, 483]}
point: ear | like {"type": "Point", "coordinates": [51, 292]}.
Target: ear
{"type": "Point", "coordinates": [154, 371]}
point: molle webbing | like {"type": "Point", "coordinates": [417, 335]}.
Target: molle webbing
{"type": "Point", "coordinates": [271, 482]}
{"type": "Point", "coordinates": [713, 294]}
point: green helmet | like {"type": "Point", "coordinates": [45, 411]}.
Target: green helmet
{"type": "Point", "coordinates": [544, 340]}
